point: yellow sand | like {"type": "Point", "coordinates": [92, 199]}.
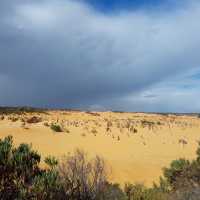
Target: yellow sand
{"type": "Point", "coordinates": [134, 157]}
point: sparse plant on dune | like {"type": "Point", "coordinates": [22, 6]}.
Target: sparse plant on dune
{"type": "Point", "coordinates": [83, 135]}
{"type": "Point", "coordinates": [94, 131]}
{"type": "Point", "coordinates": [13, 118]}
{"type": "Point", "coordinates": [67, 130]}
{"type": "Point", "coordinates": [56, 128]}
{"type": "Point", "coordinates": [148, 124]}
{"type": "Point", "coordinates": [159, 123]}
{"type": "Point", "coordinates": [93, 114]}
{"type": "Point", "coordinates": [46, 124]}
{"type": "Point", "coordinates": [34, 120]}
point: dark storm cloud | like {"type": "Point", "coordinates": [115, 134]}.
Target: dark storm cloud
{"type": "Point", "coordinates": [66, 54]}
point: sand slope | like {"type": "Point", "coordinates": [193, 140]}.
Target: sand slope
{"type": "Point", "coordinates": [136, 145]}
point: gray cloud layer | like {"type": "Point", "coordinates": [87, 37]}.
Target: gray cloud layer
{"type": "Point", "coordinates": [66, 54]}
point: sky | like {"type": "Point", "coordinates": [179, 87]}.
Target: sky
{"type": "Point", "coordinates": [115, 5]}
{"type": "Point", "coordinates": [101, 54]}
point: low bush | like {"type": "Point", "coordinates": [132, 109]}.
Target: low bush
{"type": "Point", "coordinates": [46, 124]}
{"type": "Point", "coordinates": [56, 128]}
{"type": "Point", "coordinates": [34, 120]}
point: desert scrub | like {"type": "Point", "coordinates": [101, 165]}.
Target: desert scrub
{"type": "Point", "coordinates": [51, 161]}
{"type": "Point", "coordinates": [56, 128]}
{"type": "Point", "coordinates": [67, 130]}
{"type": "Point", "coordinates": [13, 119]}
{"type": "Point", "coordinates": [94, 131]}
{"type": "Point", "coordinates": [133, 130]}
{"type": "Point", "coordinates": [83, 135]}
{"type": "Point", "coordinates": [34, 120]}
{"type": "Point", "coordinates": [46, 124]}
{"type": "Point", "coordinates": [2, 117]}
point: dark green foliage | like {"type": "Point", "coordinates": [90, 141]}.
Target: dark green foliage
{"type": "Point", "coordinates": [5, 151]}
{"type": "Point", "coordinates": [183, 177]}
{"type": "Point", "coordinates": [17, 168]}
{"type": "Point", "coordinates": [20, 175]}
{"type": "Point", "coordinates": [163, 186]}
{"type": "Point", "coordinates": [113, 192]}
{"type": "Point", "coordinates": [175, 171]}
{"type": "Point", "coordinates": [51, 161]}
{"type": "Point", "coordinates": [47, 186]}
{"type": "Point", "coordinates": [140, 192]}
{"type": "Point", "coordinates": [56, 128]}
{"type": "Point", "coordinates": [198, 153]}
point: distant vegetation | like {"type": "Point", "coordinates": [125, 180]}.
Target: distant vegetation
{"type": "Point", "coordinates": [20, 110]}
{"type": "Point", "coordinates": [75, 177]}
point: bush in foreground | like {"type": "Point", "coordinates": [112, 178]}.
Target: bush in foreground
{"type": "Point", "coordinates": [74, 178]}
{"type": "Point", "coordinates": [20, 175]}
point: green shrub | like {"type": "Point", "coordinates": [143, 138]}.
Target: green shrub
{"type": "Point", "coordinates": [140, 192]}
{"type": "Point", "coordinates": [113, 192]}
{"type": "Point", "coordinates": [18, 166]}
{"type": "Point", "coordinates": [176, 170]}
{"type": "Point", "coordinates": [47, 186]}
{"type": "Point", "coordinates": [20, 175]}
{"type": "Point", "coordinates": [56, 128]}
{"type": "Point", "coordinates": [51, 161]}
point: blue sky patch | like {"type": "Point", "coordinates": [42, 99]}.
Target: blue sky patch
{"type": "Point", "coordinates": [115, 5]}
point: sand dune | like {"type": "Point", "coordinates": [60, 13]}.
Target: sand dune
{"type": "Point", "coordinates": [136, 145]}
